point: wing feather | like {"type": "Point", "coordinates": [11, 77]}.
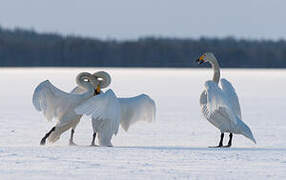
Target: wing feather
{"type": "Point", "coordinates": [231, 95]}
{"type": "Point", "coordinates": [217, 102]}
{"type": "Point", "coordinates": [139, 108]}
{"type": "Point", "coordinates": [49, 99]}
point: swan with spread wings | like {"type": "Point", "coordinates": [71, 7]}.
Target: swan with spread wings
{"type": "Point", "coordinates": [108, 112]}
{"type": "Point", "coordinates": [220, 105]}
{"type": "Point", "coordinates": [59, 105]}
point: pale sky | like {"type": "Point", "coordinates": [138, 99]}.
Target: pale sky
{"type": "Point", "coordinates": [130, 19]}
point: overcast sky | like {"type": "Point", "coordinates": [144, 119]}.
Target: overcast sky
{"type": "Point", "coordinates": [129, 19]}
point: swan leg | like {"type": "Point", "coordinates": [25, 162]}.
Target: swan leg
{"type": "Point", "coordinates": [220, 142]}
{"type": "Point", "coordinates": [230, 141]}
{"type": "Point", "coordinates": [93, 139]}
{"type": "Point", "coordinates": [43, 141]}
{"type": "Point", "coordinates": [71, 138]}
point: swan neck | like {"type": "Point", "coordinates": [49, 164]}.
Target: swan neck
{"type": "Point", "coordinates": [216, 68]}
{"type": "Point", "coordinates": [85, 85]}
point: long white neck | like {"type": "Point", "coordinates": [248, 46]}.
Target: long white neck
{"type": "Point", "coordinates": [216, 69]}
{"type": "Point", "coordinates": [89, 88]}
{"type": "Point", "coordinates": [85, 85]}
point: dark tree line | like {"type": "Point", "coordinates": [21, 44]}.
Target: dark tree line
{"type": "Point", "coordinates": [28, 48]}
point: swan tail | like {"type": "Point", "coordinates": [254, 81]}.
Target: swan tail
{"type": "Point", "coordinates": [245, 131]}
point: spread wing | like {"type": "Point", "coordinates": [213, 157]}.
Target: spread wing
{"type": "Point", "coordinates": [103, 108]}
{"type": "Point", "coordinates": [231, 95]}
{"type": "Point", "coordinates": [50, 100]}
{"type": "Point", "coordinates": [217, 104]}
{"type": "Point", "coordinates": [139, 108]}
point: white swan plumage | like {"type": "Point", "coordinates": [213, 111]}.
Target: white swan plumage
{"type": "Point", "coordinates": [135, 109]}
{"type": "Point", "coordinates": [220, 105]}
{"type": "Point", "coordinates": [108, 112]}
{"type": "Point", "coordinates": [105, 111]}
{"type": "Point", "coordinates": [59, 105]}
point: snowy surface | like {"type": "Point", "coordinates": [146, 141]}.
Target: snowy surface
{"type": "Point", "coordinates": [174, 147]}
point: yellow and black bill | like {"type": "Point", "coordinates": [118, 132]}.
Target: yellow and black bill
{"type": "Point", "coordinates": [201, 60]}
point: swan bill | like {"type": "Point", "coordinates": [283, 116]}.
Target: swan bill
{"type": "Point", "coordinates": [97, 90]}
{"type": "Point", "coordinates": [103, 78]}
{"type": "Point", "coordinates": [201, 60]}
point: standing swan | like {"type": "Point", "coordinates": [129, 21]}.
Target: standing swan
{"type": "Point", "coordinates": [60, 105]}
{"type": "Point", "coordinates": [108, 111]}
{"type": "Point", "coordinates": [220, 106]}
{"type": "Point", "coordinates": [103, 81]}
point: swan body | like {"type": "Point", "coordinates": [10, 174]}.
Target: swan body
{"type": "Point", "coordinates": [105, 111]}
{"type": "Point", "coordinates": [220, 105]}
{"type": "Point", "coordinates": [108, 112]}
{"type": "Point", "coordinates": [59, 105]}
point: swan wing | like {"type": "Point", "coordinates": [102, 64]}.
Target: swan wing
{"type": "Point", "coordinates": [139, 108]}
{"type": "Point", "coordinates": [203, 98]}
{"type": "Point", "coordinates": [103, 108]}
{"type": "Point", "coordinates": [50, 100]}
{"type": "Point", "coordinates": [231, 95]}
{"type": "Point", "coordinates": [217, 103]}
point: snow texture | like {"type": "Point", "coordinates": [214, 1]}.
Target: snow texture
{"type": "Point", "coordinates": [174, 147]}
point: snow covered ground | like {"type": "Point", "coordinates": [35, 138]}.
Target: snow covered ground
{"type": "Point", "coordinates": [174, 147]}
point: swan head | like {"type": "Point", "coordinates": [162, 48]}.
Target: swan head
{"type": "Point", "coordinates": [103, 79]}
{"type": "Point", "coordinates": [86, 79]}
{"type": "Point", "coordinates": [207, 57]}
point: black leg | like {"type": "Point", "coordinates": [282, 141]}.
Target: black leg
{"type": "Point", "coordinates": [220, 142]}
{"type": "Point", "coordinates": [230, 140]}
{"type": "Point", "coordinates": [93, 139]}
{"type": "Point", "coordinates": [43, 141]}
{"type": "Point", "coordinates": [71, 138]}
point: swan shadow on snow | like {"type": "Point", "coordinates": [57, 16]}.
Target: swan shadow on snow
{"type": "Point", "coordinates": [182, 148]}
{"type": "Point", "coordinates": [185, 148]}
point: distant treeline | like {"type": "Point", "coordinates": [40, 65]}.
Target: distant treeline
{"type": "Point", "coordinates": [20, 47]}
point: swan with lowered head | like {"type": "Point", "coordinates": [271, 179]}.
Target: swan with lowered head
{"type": "Point", "coordinates": [220, 105]}
{"type": "Point", "coordinates": [59, 105]}
{"type": "Point", "coordinates": [108, 111]}
{"type": "Point", "coordinates": [103, 81]}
